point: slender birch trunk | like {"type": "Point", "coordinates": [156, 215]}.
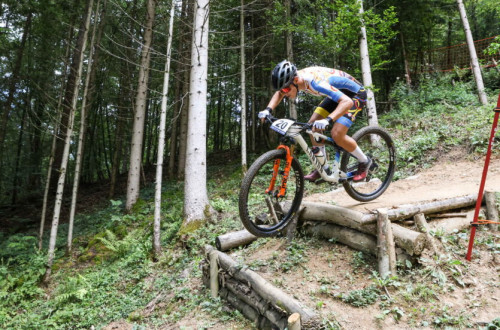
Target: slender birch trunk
{"type": "Point", "coordinates": [243, 91]}
{"type": "Point", "coordinates": [476, 69]}
{"type": "Point", "coordinates": [134, 174]}
{"type": "Point", "coordinates": [253, 117]}
{"type": "Point", "coordinates": [161, 138]}
{"type": "Point", "coordinates": [196, 205]}
{"type": "Point", "coordinates": [366, 70]}
{"type": "Point", "coordinates": [65, 156]}
{"type": "Point", "coordinates": [79, 153]}
{"type": "Point", "coordinates": [57, 125]}
{"type": "Point", "coordinates": [289, 53]}
{"type": "Point", "coordinates": [405, 60]}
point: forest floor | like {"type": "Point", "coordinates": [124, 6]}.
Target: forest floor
{"type": "Point", "coordinates": [339, 283]}
{"type": "Point", "coordinates": [444, 291]}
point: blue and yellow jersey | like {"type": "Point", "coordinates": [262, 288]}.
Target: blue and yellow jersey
{"type": "Point", "coordinates": [328, 82]}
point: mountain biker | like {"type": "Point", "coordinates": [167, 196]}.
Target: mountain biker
{"type": "Point", "coordinates": [344, 98]}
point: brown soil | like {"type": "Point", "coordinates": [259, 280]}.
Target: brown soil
{"type": "Point", "coordinates": [317, 272]}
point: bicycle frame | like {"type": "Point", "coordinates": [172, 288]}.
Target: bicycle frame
{"type": "Point", "coordinates": [336, 175]}
{"type": "Point", "coordinates": [293, 135]}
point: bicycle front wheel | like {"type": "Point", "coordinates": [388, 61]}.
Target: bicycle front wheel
{"type": "Point", "coordinates": [262, 211]}
{"type": "Point", "coordinates": [377, 144]}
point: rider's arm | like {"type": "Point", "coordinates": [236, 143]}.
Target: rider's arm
{"type": "Point", "coordinates": [275, 100]}
{"type": "Point", "coordinates": [273, 103]}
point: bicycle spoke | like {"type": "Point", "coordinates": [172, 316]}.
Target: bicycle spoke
{"type": "Point", "coordinates": [376, 144]}
{"type": "Point", "coordinates": [261, 209]}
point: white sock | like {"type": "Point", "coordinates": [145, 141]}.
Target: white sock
{"type": "Point", "coordinates": [359, 155]}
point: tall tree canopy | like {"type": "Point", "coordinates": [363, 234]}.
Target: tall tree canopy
{"type": "Point", "coordinates": [38, 38]}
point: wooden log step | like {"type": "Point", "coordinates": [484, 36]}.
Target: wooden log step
{"type": "Point", "coordinates": [410, 240]}
{"type": "Point", "coordinates": [234, 239]}
{"type": "Point", "coordinates": [263, 288]}
{"type": "Point", "coordinates": [409, 210]}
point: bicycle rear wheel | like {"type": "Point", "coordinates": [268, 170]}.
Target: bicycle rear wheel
{"type": "Point", "coordinates": [263, 213]}
{"type": "Point", "coordinates": [377, 144]}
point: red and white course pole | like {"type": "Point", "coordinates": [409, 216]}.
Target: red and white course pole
{"type": "Point", "coordinates": [483, 181]}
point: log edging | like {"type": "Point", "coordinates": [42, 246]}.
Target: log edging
{"type": "Point", "coordinates": [255, 297]}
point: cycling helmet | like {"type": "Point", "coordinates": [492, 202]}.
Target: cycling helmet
{"type": "Point", "coordinates": [283, 74]}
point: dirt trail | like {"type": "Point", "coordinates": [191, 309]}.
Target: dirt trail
{"type": "Point", "coordinates": [331, 269]}
{"type": "Point", "coordinates": [450, 177]}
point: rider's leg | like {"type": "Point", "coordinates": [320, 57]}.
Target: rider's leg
{"type": "Point", "coordinates": [314, 175]}
{"type": "Point", "coordinates": [339, 135]}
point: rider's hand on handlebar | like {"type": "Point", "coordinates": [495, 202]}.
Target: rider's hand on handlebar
{"type": "Point", "coordinates": [263, 114]}
{"type": "Point", "coordinates": [321, 124]}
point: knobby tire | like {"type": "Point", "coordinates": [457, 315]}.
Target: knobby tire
{"type": "Point", "coordinates": [254, 210]}
{"type": "Point", "coordinates": [383, 153]}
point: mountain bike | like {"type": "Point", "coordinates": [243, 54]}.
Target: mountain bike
{"type": "Point", "coordinates": [273, 187]}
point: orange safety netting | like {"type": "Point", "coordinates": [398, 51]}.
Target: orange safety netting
{"type": "Point", "coordinates": [448, 58]}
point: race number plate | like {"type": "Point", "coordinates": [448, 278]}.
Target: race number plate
{"type": "Point", "coordinates": [282, 125]}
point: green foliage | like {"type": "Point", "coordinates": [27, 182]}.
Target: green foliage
{"type": "Point", "coordinates": [296, 255]}
{"type": "Point", "coordinates": [131, 245]}
{"type": "Point", "coordinates": [21, 270]}
{"type": "Point", "coordinates": [419, 291]}
{"type": "Point", "coordinates": [74, 289]}
{"type": "Point", "coordinates": [362, 297]}
{"type": "Point", "coordinates": [434, 117]}
{"type": "Point", "coordinates": [494, 325]}
{"type": "Point", "coordinates": [335, 26]}
{"type": "Point", "coordinates": [446, 319]}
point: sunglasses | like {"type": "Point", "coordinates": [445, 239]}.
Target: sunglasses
{"type": "Point", "coordinates": [285, 90]}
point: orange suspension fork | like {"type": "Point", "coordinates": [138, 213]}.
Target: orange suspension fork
{"type": "Point", "coordinates": [286, 173]}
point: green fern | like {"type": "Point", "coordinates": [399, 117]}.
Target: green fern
{"type": "Point", "coordinates": [75, 289]}
{"type": "Point", "coordinates": [120, 247]}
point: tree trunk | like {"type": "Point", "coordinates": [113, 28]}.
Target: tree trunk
{"type": "Point", "coordinates": [134, 174]}
{"type": "Point", "coordinates": [289, 51]}
{"type": "Point", "coordinates": [253, 98]}
{"type": "Point", "coordinates": [243, 91]}
{"type": "Point", "coordinates": [125, 104]}
{"type": "Point", "coordinates": [161, 139]}
{"type": "Point", "coordinates": [405, 60]}
{"type": "Point", "coordinates": [81, 137]}
{"type": "Point", "coordinates": [67, 142]}
{"type": "Point", "coordinates": [174, 123]}
{"type": "Point", "coordinates": [12, 84]}
{"type": "Point", "coordinates": [71, 85]}
{"type": "Point", "coordinates": [196, 205]}
{"type": "Point", "coordinates": [366, 71]}
{"type": "Point", "coordinates": [56, 125]}
{"type": "Point", "coordinates": [187, 10]}
{"type": "Point", "coordinates": [15, 183]}
{"type": "Point", "coordinates": [476, 69]}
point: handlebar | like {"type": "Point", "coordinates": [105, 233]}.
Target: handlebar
{"type": "Point", "coordinates": [305, 126]}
